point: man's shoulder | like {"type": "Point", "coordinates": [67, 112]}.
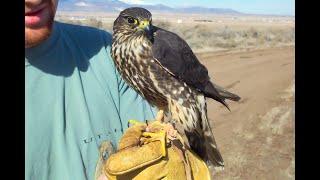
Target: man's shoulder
{"type": "Point", "coordinates": [89, 44]}
{"type": "Point", "coordinates": [85, 34]}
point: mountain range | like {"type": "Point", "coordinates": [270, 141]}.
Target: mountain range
{"type": "Point", "coordinates": [116, 6]}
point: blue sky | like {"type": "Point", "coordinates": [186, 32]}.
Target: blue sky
{"type": "Point", "coordinates": [277, 7]}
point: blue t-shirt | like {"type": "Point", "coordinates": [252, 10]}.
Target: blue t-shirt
{"type": "Point", "coordinates": [75, 100]}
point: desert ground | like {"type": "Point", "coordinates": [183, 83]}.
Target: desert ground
{"type": "Point", "coordinates": [256, 138]}
{"type": "Point", "coordinates": [254, 58]}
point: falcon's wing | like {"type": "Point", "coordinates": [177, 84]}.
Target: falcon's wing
{"type": "Point", "coordinates": [175, 55]}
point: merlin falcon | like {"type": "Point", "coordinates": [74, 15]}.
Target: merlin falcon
{"type": "Point", "coordinates": [162, 68]}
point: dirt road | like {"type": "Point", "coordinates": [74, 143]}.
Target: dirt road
{"type": "Point", "coordinates": [256, 138]}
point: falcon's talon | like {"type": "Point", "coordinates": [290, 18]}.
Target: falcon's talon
{"type": "Point", "coordinates": [171, 137]}
{"type": "Point", "coordinates": [158, 136]}
{"type": "Point", "coordinates": [171, 131]}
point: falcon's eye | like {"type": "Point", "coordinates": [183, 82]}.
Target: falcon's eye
{"type": "Point", "coordinates": [131, 20]}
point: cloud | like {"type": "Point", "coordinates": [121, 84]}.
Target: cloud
{"type": "Point", "coordinates": [81, 4]}
{"type": "Point", "coordinates": [135, 1]}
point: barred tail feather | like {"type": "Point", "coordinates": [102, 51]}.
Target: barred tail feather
{"type": "Point", "coordinates": [212, 157]}
{"type": "Point", "coordinates": [196, 130]}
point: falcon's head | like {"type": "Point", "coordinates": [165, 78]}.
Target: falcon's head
{"type": "Point", "coordinates": [134, 21]}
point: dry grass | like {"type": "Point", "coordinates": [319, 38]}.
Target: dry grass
{"type": "Point", "coordinates": [206, 36]}
{"type": "Point", "coordinates": [270, 138]}
{"type": "Point", "coordinates": [225, 37]}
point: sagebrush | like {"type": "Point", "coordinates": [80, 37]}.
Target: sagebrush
{"type": "Point", "coordinates": [208, 37]}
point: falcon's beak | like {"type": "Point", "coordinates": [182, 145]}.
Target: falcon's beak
{"type": "Point", "coordinates": [147, 27]}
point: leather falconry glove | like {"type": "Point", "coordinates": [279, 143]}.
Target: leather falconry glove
{"type": "Point", "coordinates": [145, 152]}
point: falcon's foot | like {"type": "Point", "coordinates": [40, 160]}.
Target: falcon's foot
{"type": "Point", "coordinates": [156, 126]}
{"type": "Point", "coordinates": [171, 132]}
{"type": "Point", "coordinates": [157, 131]}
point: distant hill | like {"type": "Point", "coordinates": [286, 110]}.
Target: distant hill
{"type": "Point", "coordinates": [116, 6]}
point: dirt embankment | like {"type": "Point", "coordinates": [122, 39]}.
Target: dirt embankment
{"type": "Point", "coordinates": [256, 138]}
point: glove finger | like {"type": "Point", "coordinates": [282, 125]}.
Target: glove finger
{"type": "Point", "coordinates": [130, 159]}
{"type": "Point", "coordinates": [199, 168]}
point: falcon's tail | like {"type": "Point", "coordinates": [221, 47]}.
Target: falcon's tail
{"type": "Point", "coordinates": [226, 94]}
{"type": "Point", "coordinates": [219, 94]}
{"type": "Point", "coordinates": [212, 155]}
